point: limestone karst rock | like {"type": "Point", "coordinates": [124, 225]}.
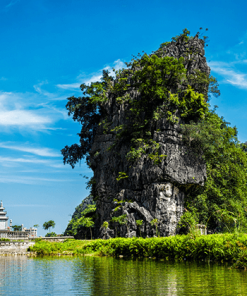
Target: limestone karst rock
{"type": "Point", "coordinates": [146, 190]}
{"type": "Point", "coordinates": [150, 191]}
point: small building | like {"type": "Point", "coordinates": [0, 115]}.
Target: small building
{"type": "Point", "coordinates": [6, 231]}
{"type": "Point", "coordinates": [3, 218]}
{"type": "Point", "coordinates": [32, 232]}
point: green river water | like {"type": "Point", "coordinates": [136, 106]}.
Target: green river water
{"type": "Point", "coordinates": [108, 276]}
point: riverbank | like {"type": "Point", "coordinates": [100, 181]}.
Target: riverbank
{"type": "Point", "coordinates": [215, 247]}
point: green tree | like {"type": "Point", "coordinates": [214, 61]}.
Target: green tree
{"type": "Point", "coordinates": [47, 225]}
{"type": "Point", "coordinates": [51, 234]}
{"type": "Point", "coordinates": [120, 220]}
{"type": "Point", "coordinates": [155, 223]}
{"type": "Point", "coordinates": [16, 227]}
{"type": "Point", "coordinates": [105, 225]}
{"type": "Point", "coordinates": [85, 220]}
{"type": "Point", "coordinates": [36, 225]}
{"type": "Point", "coordinates": [223, 198]}
{"type": "Point", "coordinates": [139, 224]}
{"type": "Point", "coordinates": [88, 222]}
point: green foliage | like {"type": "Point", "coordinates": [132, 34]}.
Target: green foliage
{"type": "Point", "coordinates": [16, 227]}
{"type": "Point", "coordinates": [122, 175]}
{"type": "Point", "coordinates": [85, 220]}
{"type": "Point", "coordinates": [69, 246]}
{"type": "Point", "coordinates": [117, 208]}
{"type": "Point", "coordinates": [36, 225]}
{"type": "Point", "coordinates": [155, 223]}
{"type": "Point", "coordinates": [77, 214]}
{"type": "Point", "coordinates": [51, 234]}
{"type": "Point", "coordinates": [139, 223]}
{"type": "Point", "coordinates": [217, 247]}
{"type": "Point", "coordinates": [105, 225]}
{"type": "Point", "coordinates": [222, 202]}
{"type": "Point", "coordinates": [119, 220]}
{"type": "Point", "coordinates": [4, 239]}
{"type": "Point", "coordinates": [88, 210]}
{"type": "Point", "coordinates": [187, 223]}
{"type": "Point", "coordinates": [183, 35]}
{"type": "Point", "coordinates": [153, 77]}
{"type": "Point", "coordinates": [49, 224]}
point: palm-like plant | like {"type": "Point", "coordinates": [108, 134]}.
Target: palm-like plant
{"type": "Point", "coordinates": [155, 223]}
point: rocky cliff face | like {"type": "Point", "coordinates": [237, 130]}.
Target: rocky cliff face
{"type": "Point", "coordinates": [151, 191]}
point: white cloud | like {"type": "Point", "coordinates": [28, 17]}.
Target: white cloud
{"type": "Point", "coordinates": [21, 205]}
{"type": "Point", "coordinates": [28, 111]}
{"type": "Point", "coordinates": [11, 162]}
{"type": "Point", "coordinates": [70, 86]}
{"type": "Point", "coordinates": [231, 75]}
{"type": "Point", "coordinates": [22, 160]}
{"type": "Point", "coordinates": [29, 180]}
{"type": "Point", "coordinates": [37, 151]}
{"type": "Point", "coordinates": [22, 118]}
{"type": "Point", "coordinates": [93, 77]}
{"type": "Point", "coordinates": [48, 95]}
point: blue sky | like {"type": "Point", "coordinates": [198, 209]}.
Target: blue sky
{"type": "Point", "coordinates": [49, 47]}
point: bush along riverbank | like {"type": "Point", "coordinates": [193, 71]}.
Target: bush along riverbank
{"type": "Point", "coordinates": [216, 247]}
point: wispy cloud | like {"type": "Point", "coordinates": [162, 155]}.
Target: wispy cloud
{"type": "Point", "coordinates": [37, 151]}
{"type": "Point", "coordinates": [26, 111]}
{"type": "Point", "coordinates": [22, 118]}
{"type": "Point", "coordinates": [11, 162]}
{"type": "Point", "coordinates": [11, 3]}
{"type": "Point", "coordinates": [3, 79]}
{"type": "Point", "coordinates": [93, 77]}
{"type": "Point", "coordinates": [54, 96]}
{"type": "Point", "coordinates": [22, 160]}
{"type": "Point", "coordinates": [230, 74]}
{"type": "Point", "coordinates": [29, 180]}
{"type": "Point", "coordinates": [21, 205]}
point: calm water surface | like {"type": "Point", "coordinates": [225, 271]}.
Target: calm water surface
{"type": "Point", "coordinates": [108, 276]}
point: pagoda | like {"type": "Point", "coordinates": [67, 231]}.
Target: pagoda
{"type": "Point", "coordinates": [3, 218]}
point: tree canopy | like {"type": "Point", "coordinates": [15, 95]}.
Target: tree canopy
{"type": "Point", "coordinates": [47, 225]}
{"type": "Point", "coordinates": [16, 227]}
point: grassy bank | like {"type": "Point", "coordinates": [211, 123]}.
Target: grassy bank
{"type": "Point", "coordinates": [215, 247]}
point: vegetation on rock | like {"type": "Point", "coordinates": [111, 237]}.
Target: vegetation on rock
{"type": "Point", "coordinates": [150, 88]}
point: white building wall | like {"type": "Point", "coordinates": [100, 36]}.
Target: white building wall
{"type": "Point", "coordinates": [2, 225]}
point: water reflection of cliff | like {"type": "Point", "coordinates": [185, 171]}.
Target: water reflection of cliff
{"type": "Point", "coordinates": [108, 276]}
{"type": "Point", "coordinates": [96, 276]}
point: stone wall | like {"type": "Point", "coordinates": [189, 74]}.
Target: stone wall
{"type": "Point", "coordinates": [54, 239]}
{"type": "Point", "coordinates": [15, 247]}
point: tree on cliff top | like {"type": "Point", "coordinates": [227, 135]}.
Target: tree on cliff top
{"type": "Point", "coordinates": [153, 76]}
